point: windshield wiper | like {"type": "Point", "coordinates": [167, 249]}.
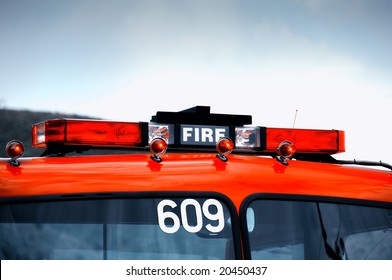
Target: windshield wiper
{"type": "Point", "coordinates": [332, 254]}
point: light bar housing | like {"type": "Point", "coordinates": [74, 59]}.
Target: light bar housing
{"type": "Point", "coordinates": [202, 132]}
{"type": "Point", "coordinates": [313, 141]}
{"type": "Point", "coordinates": [86, 133]}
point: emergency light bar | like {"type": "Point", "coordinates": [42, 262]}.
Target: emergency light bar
{"type": "Point", "coordinates": [96, 133]}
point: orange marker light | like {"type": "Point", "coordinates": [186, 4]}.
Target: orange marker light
{"type": "Point", "coordinates": [224, 147]}
{"type": "Point", "coordinates": [14, 150]}
{"type": "Point", "coordinates": [158, 147]}
{"type": "Point", "coordinates": [285, 151]}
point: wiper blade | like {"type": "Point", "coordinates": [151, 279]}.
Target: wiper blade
{"type": "Point", "coordinates": [332, 254]}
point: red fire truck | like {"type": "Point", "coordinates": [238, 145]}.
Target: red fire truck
{"type": "Point", "coordinates": [191, 185]}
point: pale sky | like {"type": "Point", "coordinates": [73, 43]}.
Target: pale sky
{"type": "Point", "coordinates": [126, 59]}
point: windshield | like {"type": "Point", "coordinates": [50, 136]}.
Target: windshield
{"type": "Point", "coordinates": [279, 229]}
{"type": "Point", "coordinates": [126, 228]}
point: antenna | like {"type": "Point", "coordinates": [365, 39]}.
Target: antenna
{"type": "Point", "coordinates": [295, 118]}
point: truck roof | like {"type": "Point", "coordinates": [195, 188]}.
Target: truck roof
{"type": "Point", "coordinates": [241, 176]}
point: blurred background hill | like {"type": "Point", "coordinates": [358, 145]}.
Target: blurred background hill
{"type": "Point", "coordinates": [16, 125]}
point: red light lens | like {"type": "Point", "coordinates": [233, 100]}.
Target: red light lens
{"type": "Point", "coordinates": [224, 146]}
{"type": "Point", "coordinates": [14, 149]}
{"type": "Point", "coordinates": [86, 132]}
{"type": "Point", "coordinates": [307, 140]}
{"type": "Point", "coordinates": [158, 146]}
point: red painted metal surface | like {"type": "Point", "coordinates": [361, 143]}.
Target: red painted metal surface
{"type": "Point", "coordinates": [238, 178]}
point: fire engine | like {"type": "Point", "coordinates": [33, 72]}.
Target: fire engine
{"type": "Point", "coordinates": [191, 185]}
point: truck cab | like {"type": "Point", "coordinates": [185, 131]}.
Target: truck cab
{"type": "Point", "coordinates": [191, 185]}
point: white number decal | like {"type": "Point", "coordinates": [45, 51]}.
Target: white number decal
{"type": "Point", "coordinates": [162, 216]}
{"type": "Point", "coordinates": [218, 216]}
{"type": "Point", "coordinates": [184, 215]}
{"type": "Point", "coordinates": [199, 211]}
